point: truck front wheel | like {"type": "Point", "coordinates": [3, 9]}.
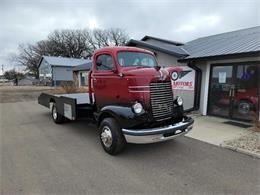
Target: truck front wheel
{"type": "Point", "coordinates": [111, 137]}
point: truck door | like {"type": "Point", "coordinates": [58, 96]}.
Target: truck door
{"type": "Point", "coordinates": [105, 80]}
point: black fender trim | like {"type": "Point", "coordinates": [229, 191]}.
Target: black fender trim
{"type": "Point", "coordinates": [123, 114]}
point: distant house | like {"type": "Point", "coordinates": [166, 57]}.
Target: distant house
{"type": "Point", "coordinates": [58, 69]}
{"type": "Point", "coordinates": [28, 81]}
{"type": "Point", "coordinates": [81, 74]}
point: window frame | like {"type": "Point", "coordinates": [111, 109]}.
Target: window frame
{"type": "Point", "coordinates": [102, 70]}
{"type": "Point", "coordinates": [154, 58]}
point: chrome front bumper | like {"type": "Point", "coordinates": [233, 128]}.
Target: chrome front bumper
{"type": "Point", "coordinates": [158, 134]}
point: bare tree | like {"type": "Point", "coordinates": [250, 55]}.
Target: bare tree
{"type": "Point", "coordinates": [109, 37]}
{"type": "Point", "coordinates": [12, 74]}
{"type": "Point", "coordinates": [29, 58]}
{"type": "Point", "coordinates": [69, 43]}
{"type": "Point", "coordinates": [117, 36]}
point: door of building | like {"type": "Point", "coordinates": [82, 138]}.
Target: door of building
{"type": "Point", "coordinates": [234, 90]}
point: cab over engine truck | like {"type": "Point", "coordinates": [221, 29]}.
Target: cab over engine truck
{"type": "Point", "coordinates": [130, 98]}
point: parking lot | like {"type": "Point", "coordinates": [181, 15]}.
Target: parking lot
{"type": "Point", "coordinates": [40, 157]}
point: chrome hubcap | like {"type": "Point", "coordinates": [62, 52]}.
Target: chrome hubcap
{"type": "Point", "coordinates": [106, 136]}
{"type": "Point", "coordinates": [54, 113]}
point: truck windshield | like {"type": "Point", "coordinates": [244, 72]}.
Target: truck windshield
{"type": "Point", "coordinates": [127, 58]}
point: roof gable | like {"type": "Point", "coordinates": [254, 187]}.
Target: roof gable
{"type": "Point", "coordinates": [146, 38]}
{"type": "Point", "coordinates": [63, 61]}
{"type": "Point", "coordinates": [86, 66]}
{"type": "Point", "coordinates": [161, 46]}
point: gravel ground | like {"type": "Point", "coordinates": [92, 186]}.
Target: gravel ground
{"type": "Point", "coordinates": [10, 94]}
{"type": "Point", "coordinates": [250, 142]}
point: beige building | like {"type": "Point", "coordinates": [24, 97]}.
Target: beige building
{"type": "Point", "coordinates": [227, 70]}
{"type": "Point", "coordinates": [80, 74]}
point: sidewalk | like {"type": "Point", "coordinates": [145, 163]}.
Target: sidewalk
{"type": "Point", "coordinates": [213, 130]}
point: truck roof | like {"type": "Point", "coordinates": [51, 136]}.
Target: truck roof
{"type": "Point", "coordinates": [123, 48]}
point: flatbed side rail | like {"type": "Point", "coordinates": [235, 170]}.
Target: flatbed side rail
{"type": "Point", "coordinates": [65, 106]}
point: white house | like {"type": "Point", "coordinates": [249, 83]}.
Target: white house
{"type": "Point", "coordinates": [58, 69]}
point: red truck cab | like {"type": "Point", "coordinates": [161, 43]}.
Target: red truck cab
{"type": "Point", "coordinates": [129, 87]}
{"type": "Point", "coordinates": [130, 99]}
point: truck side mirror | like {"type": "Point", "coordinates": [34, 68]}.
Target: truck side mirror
{"type": "Point", "coordinates": [99, 62]}
{"type": "Point", "coordinates": [114, 70]}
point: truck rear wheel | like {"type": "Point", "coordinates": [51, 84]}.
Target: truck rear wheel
{"type": "Point", "coordinates": [57, 118]}
{"type": "Point", "coordinates": [111, 137]}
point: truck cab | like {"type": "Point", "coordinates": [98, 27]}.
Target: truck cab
{"type": "Point", "coordinates": [130, 98]}
{"type": "Point", "coordinates": [130, 87]}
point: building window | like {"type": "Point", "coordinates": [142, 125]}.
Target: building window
{"type": "Point", "coordinates": [83, 78]}
{"type": "Point", "coordinates": [234, 90]}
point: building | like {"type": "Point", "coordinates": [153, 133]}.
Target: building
{"type": "Point", "coordinates": [28, 81]}
{"type": "Point", "coordinates": [168, 53]}
{"type": "Point", "coordinates": [80, 73]}
{"type": "Point", "coordinates": [58, 69]}
{"type": "Point", "coordinates": [227, 70]}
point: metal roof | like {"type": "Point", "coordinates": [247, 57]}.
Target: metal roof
{"type": "Point", "coordinates": [235, 42]}
{"type": "Point", "coordinates": [86, 67]}
{"type": "Point", "coordinates": [162, 40]}
{"type": "Point", "coordinates": [168, 48]}
{"type": "Point", "coordinates": [63, 61]}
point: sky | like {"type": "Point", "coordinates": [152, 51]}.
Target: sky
{"type": "Point", "coordinates": [29, 21]}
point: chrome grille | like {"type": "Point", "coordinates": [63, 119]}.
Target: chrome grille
{"type": "Point", "coordinates": [161, 100]}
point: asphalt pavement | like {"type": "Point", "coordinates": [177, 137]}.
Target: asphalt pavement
{"type": "Point", "coordinates": [40, 157]}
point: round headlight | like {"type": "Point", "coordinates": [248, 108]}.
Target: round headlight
{"type": "Point", "coordinates": [179, 101]}
{"type": "Point", "coordinates": [137, 107]}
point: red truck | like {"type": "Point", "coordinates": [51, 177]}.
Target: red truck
{"type": "Point", "coordinates": [130, 99]}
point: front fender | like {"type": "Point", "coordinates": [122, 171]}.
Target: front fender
{"type": "Point", "coordinates": [124, 115]}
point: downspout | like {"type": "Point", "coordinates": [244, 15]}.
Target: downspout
{"type": "Point", "coordinates": [198, 77]}
{"type": "Point", "coordinates": [259, 93]}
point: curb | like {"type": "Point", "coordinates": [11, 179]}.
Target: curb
{"type": "Point", "coordinates": [243, 151]}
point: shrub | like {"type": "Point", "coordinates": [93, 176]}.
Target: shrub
{"type": "Point", "coordinates": [69, 87]}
